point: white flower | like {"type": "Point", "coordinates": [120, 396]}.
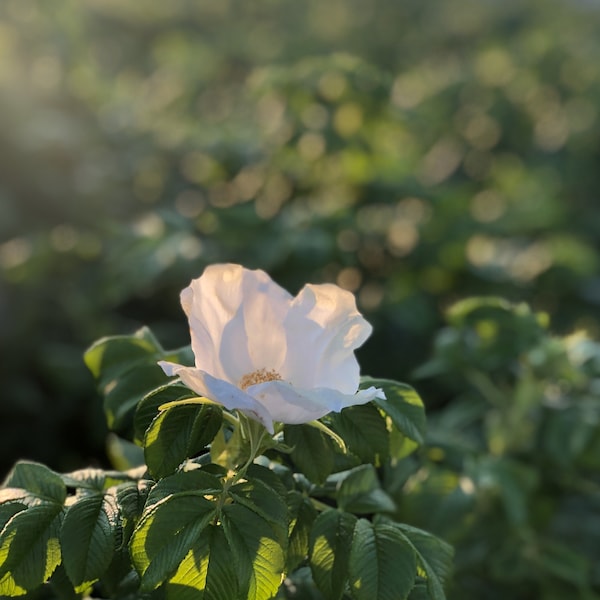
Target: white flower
{"type": "Point", "coordinates": [269, 355]}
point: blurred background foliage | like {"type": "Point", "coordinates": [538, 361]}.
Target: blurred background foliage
{"type": "Point", "coordinates": [414, 153]}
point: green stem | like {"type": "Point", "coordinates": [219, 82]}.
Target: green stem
{"type": "Point", "coordinates": [254, 432]}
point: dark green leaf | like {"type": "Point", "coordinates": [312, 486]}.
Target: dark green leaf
{"type": "Point", "coordinates": [179, 433]}
{"type": "Point", "coordinates": [434, 557]}
{"type": "Point", "coordinates": [403, 405]}
{"type": "Point", "coordinates": [184, 482]}
{"type": "Point", "coordinates": [122, 395]}
{"type": "Point", "coordinates": [364, 431]}
{"type": "Point", "coordinates": [382, 565]}
{"type": "Point", "coordinates": [88, 537]}
{"type": "Point", "coordinates": [360, 492]}
{"type": "Point", "coordinates": [37, 479]}
{"type": "Point", "coordinates": [312, 451]}
{"type": "Point", "coordinates": [302, 516]}
{"type": "Point", "coordinates": [329, 551]}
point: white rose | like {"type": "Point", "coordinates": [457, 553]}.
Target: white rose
{"type": "Point", "coordinates": [269, 355]}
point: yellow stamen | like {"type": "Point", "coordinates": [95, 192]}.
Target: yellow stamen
{"type": "Point", "coordinates": [258, 376]}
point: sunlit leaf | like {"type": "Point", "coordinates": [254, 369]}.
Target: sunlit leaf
{"type": "Point", "coordinates": [207, 572]}
{"type": "Point", "coordinates": [166, 533]}
{"type": "Point", "coordinates": [147, 410]}
{"type": "Point", "coordinates": [257, 496]}
{"type": "Point", "coordinates": [179, 433]}
{"type": "Point", "coordinates": [30, 548]}
{"type": "Point", "coordinates": [329, 551]}
{"type": "Point", "coordinates": [256, 550]}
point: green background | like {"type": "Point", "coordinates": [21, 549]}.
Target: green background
{"type": "Point", "coordinates": [415, 153]}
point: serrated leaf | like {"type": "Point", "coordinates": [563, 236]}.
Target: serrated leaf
{"type": "Point", "coordinates": [179, 433]}
{"type": "Point", "coordinates": [29, 548]}
{"type": "Point", "coordinates": [9, 508]}
{"type": "Point", "coordinates": [360, 492]}
{"type": "Point", "coordinates": [148, 408]}
{"type": "Point", "coordinates": [259, 557]}
{"type": "Point", "coordinates": [302, 516]}
{"type": "Point", "coordinates": [184, 482]}
{"type": "Point", "coordinates": [364, 431]}
{"type": "Point", "coordinates": [312, 451]}
{"type": "Point", "coordinates": [434, 557]}
{"type": "Point", "coordinates": [403, 405]}
{"type": "Point", "coordinates": [88, 537]}
{"type": "Point", "coordinates": [38, 480]}
{"type": "Point", "coordinates": [207, 572]}
{"type": "Point", "coordinates": [329, 551]}
{"type": "Point", "coordinates": [257, 496]}
{"type": "Point", "coordinates": [167, 531]}
{"type": "Point", "coordinates": [382, 565]}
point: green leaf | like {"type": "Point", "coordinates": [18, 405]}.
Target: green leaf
{"type": "Point", "coordinates": [166, 533]}
{"type": "Point", "coordinates": [179, 433]}
{"type": "Point", "coordinates": [111, 357]}
{"type": "Point", "coordinates": [434, 557]}
{"type": "Point", "coordinates": [148, 408]}
{"type": "Point", "coordinates": [382, 564]}
{"type": "Point", "coordinates": [329, 551]}
{"type": "Point", "coordinates": [364, 430]}
{"type": "Point", "coordinates": [207, 572]}
{"type": "Point", "coordinates": [130, 498]}
{"type": "Point", "coordinates": [312, 451]}
{"type": "Point", "coordinates": [125, 370]}
{"type": "Point", "coordinates": [360, 492]}
{"type": "Point", "coordinates": [258, 555]}
{"type": "Point", "coordinates": [403, 405]}
{"type": "Point", "coordinates": [302, 516]}
{"type": "Point", "coordinates": [9, 508]}
{"type": "Point", "coordinates": [29, 548]}
{"type": "Point", "coordinates": [88, 537]}
{"type": "Point", "coordinates": [122, 395]}
{"type": "Point", "coordinates": [257, 496]}
{"type": "Point", "coordinates": [39, 480]}
{"type": "Point", "coordinates": [182, 483]}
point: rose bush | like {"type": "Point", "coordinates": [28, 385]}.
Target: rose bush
{"type": "Point", "coordinates": [268, 484]}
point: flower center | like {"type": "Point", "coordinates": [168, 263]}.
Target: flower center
{"type": "Point", "coordinates": [258, 376]}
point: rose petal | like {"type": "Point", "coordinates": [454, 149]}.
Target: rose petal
{"type": "Point", "coordinates": [219, 391]}
{"type": "Point", "coordinates": [324, 328]}
{"type": "Point", "coordinates": [288, 404]}
{"type": "Point", "coordinates": [236, 321]}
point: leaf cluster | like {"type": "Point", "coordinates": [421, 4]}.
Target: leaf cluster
{"type": "Point", "coordinates": [510, 474]}
{"type": "Point", "coordinates": [199, 518]}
